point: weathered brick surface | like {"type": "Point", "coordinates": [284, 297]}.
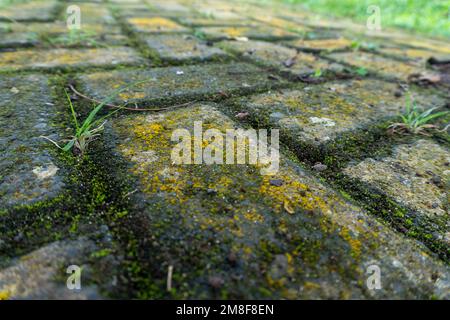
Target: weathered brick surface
{"type": "Point", "coordinates": [38, 275]}
{"type": "Point", "coordinates": [176, 83]}
{"type": "Point", "coordinates": [287, 60]}
{"type": "Point", "coordinates": [377, 64]}
{"type": "Point", "coordinates": [318, 114]}
{"type": "Point", "coordinates": [259, 33]}
{"type": "Point", "coordinates": [126, 212]}
{"type": "Point", "coordinates": [256, 215]}
{"type": "Point", "coordinates": [179, 48]}
{"type": "Point", "coordinates": [67, 58]}
{"type": "Point", "coordinates": [30, 11]}
{"type": "Point", "coordinates": [29, 171]}
{"type": "Point", "coordinates": [155, 25]}
{"type": "Point", "coordinates": [416, 175]}
{"type": "Point", "coordinates": [56, 34]}
{"type": "Point", "coordinates": [321, 44]}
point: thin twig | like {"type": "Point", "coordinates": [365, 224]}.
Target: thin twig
{"type": "Point", "coordinates": [169, 278]}
{"type": "Point", "coordinates": [131, 109]}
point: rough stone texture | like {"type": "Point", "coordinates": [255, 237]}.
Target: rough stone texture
{"type": "Point", "coordinates": [416, 175]}
{"type": "Point", "coordinates": [287, 60]}
{"type": "Point", "coordinates": [65, 58]}
{"type": "Point", "coordinates": [29, 11]}
{"type": "Point", "coordinates": [41, 274]}
{"type": "Point", "coordinates": [155, 25]}
{"type": "Point", "coordinates": [176, 83]}
{"type": "Point", "coordinates": [378, 64]}
{"type": "Point", "coordinates": [318, 114]}
{"type": "Point", "coordinates": [214, 22]}
{"type": "Point", "coordinates": [321, 44]}
{"type": "Point", "coordinates": [228, 231]}
{"type": "Point", "coordinates": [419, 55]}
{"type": "Point", "coordinates": [28, 171]}
{"type": "Point", "coordinates": [282, 23]}
{"type": "Point", "coordinates": [198, 215]}
{"type": "Point", "coordinates": [179, 48]}
{"type": "Point", "coordinates": [259, 33]}
{"type": "Point", "coordinates": [22, 39]}
{"type": "Point", "coordinates": [56, 34]}
{"type": "Point", "coordinates": [93, 13]}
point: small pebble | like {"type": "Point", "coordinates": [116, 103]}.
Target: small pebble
{"type": "Point", "coordinates": [319, 167]}
{"type": "Point", "coordinates": [276, 182]}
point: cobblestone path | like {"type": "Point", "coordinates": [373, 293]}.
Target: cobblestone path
{"type": "Point", "coordinates": [348, 195]}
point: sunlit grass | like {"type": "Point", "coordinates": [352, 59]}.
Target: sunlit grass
{"type": "Point", "coordinates": [430, 17]}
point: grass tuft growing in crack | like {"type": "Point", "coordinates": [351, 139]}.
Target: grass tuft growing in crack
{"type": "Point", "coordinates": [415, 121]}
{"type": "Point", "coordinates": [91, 127]}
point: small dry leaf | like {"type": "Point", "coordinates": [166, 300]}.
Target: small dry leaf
{"type": "Point", "coordinates": [288, 207]}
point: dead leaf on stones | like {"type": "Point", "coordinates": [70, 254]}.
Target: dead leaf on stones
{"type": "Point", "coordinates": [242, 115]}
{"type": "Point", "coordinates": [425, 77]}
{"type": "Point", "coordinates": [290, 62]}
{"type": "Point", "coordinates": [288, 207]}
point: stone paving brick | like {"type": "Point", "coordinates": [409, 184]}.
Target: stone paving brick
{"type": "Point", "coordinates": [287, 60]}
{"type": "Point", "coordinates": [422, 43]}
{"type": "Point", "coordinates": [419, 55]}
{"type": "Point", "coordinates": [56, 34]}
{"type": "Point", "coordinates": [170, 8]}
{"type": "Point", "coordinates": [30, 11]}
{"type": "Point", "coordinates": [258, 33]}
{"type": "Point", "coordinates": [375, 63]}
{"type": "Point", "coordinates": [68, 58]}
{"type": "Point", "coordinates": [93, 13]}
{"type": "Point", "coordinates": [219, 14]}
{"type": "Point", "coordinates": [41, 273]}
{"type": "Point", "coordinates": [318, 22]}
{"type": "Point", "coordinates": [155, 25]}
{"type": "Point", "coordinates": [176, 83]}
{"type": "Point", "coordinates": [299, 236]}
{"type": "Point", "coordinates": [318, 114]}
{"type": "Point", "coordinates": [28, 171]}
{"type": "Point", "coordinates": [319, 45]}
{"type": "Point", "coordinates": [21, 39]}
{"type": "Point", "coordinates": [282, 24]}
{"type": "Point", "coordinates": [214, 22]}
{"type": "Point", "coordinates": [177, 48]}
{"type": "Point", "coordinates": [133, 10]}
{"type": "Point", "coordinates": [417, 175]}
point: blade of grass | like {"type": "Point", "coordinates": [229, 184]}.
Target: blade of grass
{"type": "Point", "coordinates": [74, 116]}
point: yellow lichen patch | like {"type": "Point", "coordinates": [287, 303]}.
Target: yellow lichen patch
{"type": "Point", "coordinates": [441, 47]}
{"type": "Point", "coordinates": [4, 295]}
{"type": "Point", "coordinates": [66, 57]}
{"type": "Point", "coordinates": [408, 53]}
{"type": "Point", "coordinates": [323, 44]}
{"type": "Point", "coordinates": [234, 32]}
{"type": "Point", "coordinates": [378, 64]}
{"type": "Point", "coordinates": [354, 243]}
{"type": "Point", "coordinates": [154, 24]}
{"type": "Point", "coordinates": [131, 95]}
{"type": "Point", "coordinates": [292, 194]}
{"type": "Point", "coordinates": [281, 23]}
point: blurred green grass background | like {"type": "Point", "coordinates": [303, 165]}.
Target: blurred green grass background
{"type": "Point", "coordinates": [428, 17]}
